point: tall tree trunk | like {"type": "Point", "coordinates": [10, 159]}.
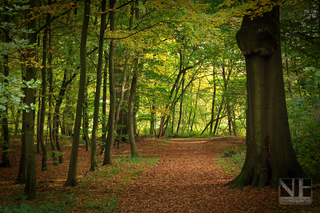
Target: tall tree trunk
{"type": "Point", "coordinates": [72, 173]}
{"type": "Point", "coordinates": [56, 117]}
{"type": "Point", "coordinates": [181, 106]}
{"type": "Point", "coordinates": [226, 94]}
{"type": "Point", "coordinates": [110, 137]}
{"type": "Point", "coordinates": [38, 125]}
{"type": "Point", "coordinates": [5, 159]}
{"type": "Point", "coordinates": [270, 154]}
{"type": "Point", "coordinates": [130, 119]}
{"type": "Point", "coordinates": [152, 120]}
{"type": "Point", "coordinates": [196, 105]}
{"type": "Point", "coordinates": [218, 115]}
{"type": "Point", "coordinates": [43, 93]}
{"type": "Point", "coordinates": [213, 99]}
{"type": "Point", "coordinates": [50, 121]}
{"type": "Point", "coordinates": [30, 188]}
{"type": "Point", "coordinates": [104, 103]}
{"type": "Point", "coordinates": [23, 157]}
{"type": "Point", "coordinates": [85, 117]}
{"type": "Point", "coordinates": [136, 105]}
{"type": "Point", "coordinates": [94, 165]}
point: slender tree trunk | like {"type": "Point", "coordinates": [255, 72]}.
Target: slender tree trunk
{"type": "Point", "coordinates": [270, 154]}
{"type": "Point", "coordinates": [213, 99]}
{"type": "Point", "coordinates": [72, 173]}
{"type": "Point", "coordinates": [196, 106]}
{"type": "Point", "coordinates": [56, 117]}
{"type": "Point", "coordinates": [5, 159]}
{"type": "Point", "coordinates": [85, 117]}
{"type": "Point", "coordinates": [50, 121]}
{"type": "Point", "coordinates": [218, 115]}
{"type": "Point", "coordinates": [43, 93]}
{"type": "Point", "coordinates": [23, 157]}
{"type": "Point", "coordinates": [30, 188]}
{"type": "Point", "coordinates": [152, 120]}
{"type": "Point", "coordinates": [104, 103]}
{"type": "Point", "coordinates": [130, 120]}
{"type": "Point", "coordinates": [94, 164]}
{"type": "Point", "coordinates": [110, 137]}
{"type": "Point", "coordinates": [38, 125]}
{"type": "Point", "coordinates": [181, 106]}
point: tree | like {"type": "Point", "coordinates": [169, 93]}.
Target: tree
{"type": "Point", "coordinates": [72, 173]}
{"type": "Point", "coordinates": [94, 165]}
{"type": "Point", "coordinates": [270, 154]}
{"type": "Point", "coordinates": [30, 188]}
{"type": "Point", "coordinates": [130, 118]}
{"type": "Point", "coordinates": [110, 136]}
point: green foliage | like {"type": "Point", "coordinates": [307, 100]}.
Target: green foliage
{"type": "Point", "coordinates": [63, 204]}
{"type": "Point", "coordinates": [304, 119]}
{"type": "Point", "coordinates": [232, 161]}
{"type": "Point", "coordinates": [103, 206]}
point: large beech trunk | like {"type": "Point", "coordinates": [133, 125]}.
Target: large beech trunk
{"type": "Point", "coordinates": [270, 154]}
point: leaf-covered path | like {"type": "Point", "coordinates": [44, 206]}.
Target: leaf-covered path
{"type": "Point", "coordinates": [189, 179]}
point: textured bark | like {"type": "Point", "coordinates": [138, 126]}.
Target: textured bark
{"type": "Point", "coordinates": [130, 120]}
{"type": "Point", "coordinates": [43, 95]}
{"type": "Point", "coordinates": [94, 165]}
{"type": "Point", "coordinates": [30, 188]}
{"type": "Point", "coordinates": [23, 156]}
{"type": "Point", "coordinates": [110, 137]}
{"type": "Point", "coordinates": [50, 121]}
{"type": "Point", "coordinates": [72, 173]}
{"type": "Point", "coordinates": [270, 154]}
{"type": "Point", "coordinates": [85, 117]}
{"type": "Point", "coordinates": [5, 159]}
{"type": "Point", "coordinates": [104, 104]}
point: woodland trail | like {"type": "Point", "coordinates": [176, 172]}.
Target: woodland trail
{"type": "Point", "coordinates": [188, 179]}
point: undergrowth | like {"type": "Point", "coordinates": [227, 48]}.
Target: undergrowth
{"type": "Point", "coordinates": [232, 160]}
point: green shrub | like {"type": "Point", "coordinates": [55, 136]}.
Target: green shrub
{"type": "Point", "coordinates": [304, 120]}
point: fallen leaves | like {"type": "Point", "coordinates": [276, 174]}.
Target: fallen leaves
{"type": "Point", "coordinates": [179, 175]}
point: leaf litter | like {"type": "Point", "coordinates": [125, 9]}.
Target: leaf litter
{"type": "Point", "coordinates": [176, 175]}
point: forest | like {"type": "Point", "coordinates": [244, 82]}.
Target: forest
{"type": "Point", "coordinates": [113, 106]}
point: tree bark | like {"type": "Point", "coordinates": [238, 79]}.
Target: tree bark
{"type": "Point", "coordinates": [30, 188]}
{"type": "Point", "coordinates": [43, 94]}
{"type": "Point", "coordinates": [130, 120]}
{"type": "Point", "coordinates": [85, 117]}
{"type": "Point", "coordinates": [56, 117]}
{"type": "Point", "coordinates": [5, 159]}
{"type": "Point", "coordinates": [94, 164]}
{"type": "Point", "coordinates": [104, 103]}
{"type": "Point", "coordinates": [72, 173]}
{"type": "Point", "coordinates": [110, 137]}
{"type": "Point", "coordinates": [50, 121]}
{"type": "Point", "coordinates": [213, 99]}
{"type": "Point", "coordinates": [270, 154]}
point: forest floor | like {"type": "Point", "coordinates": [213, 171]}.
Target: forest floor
{"type": "Point", "coordinates": [174, 175]}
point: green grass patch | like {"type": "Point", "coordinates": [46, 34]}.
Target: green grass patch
{"type": "Point", "coordinates": [45, 202]}
{"type": "Point", "coordinates": [107, 205]}
{"type": "Point", "coordinates": [233, 163]}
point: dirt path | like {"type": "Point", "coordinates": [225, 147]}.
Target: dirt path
{"type": "Point", "coordinates": [187, 179]}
